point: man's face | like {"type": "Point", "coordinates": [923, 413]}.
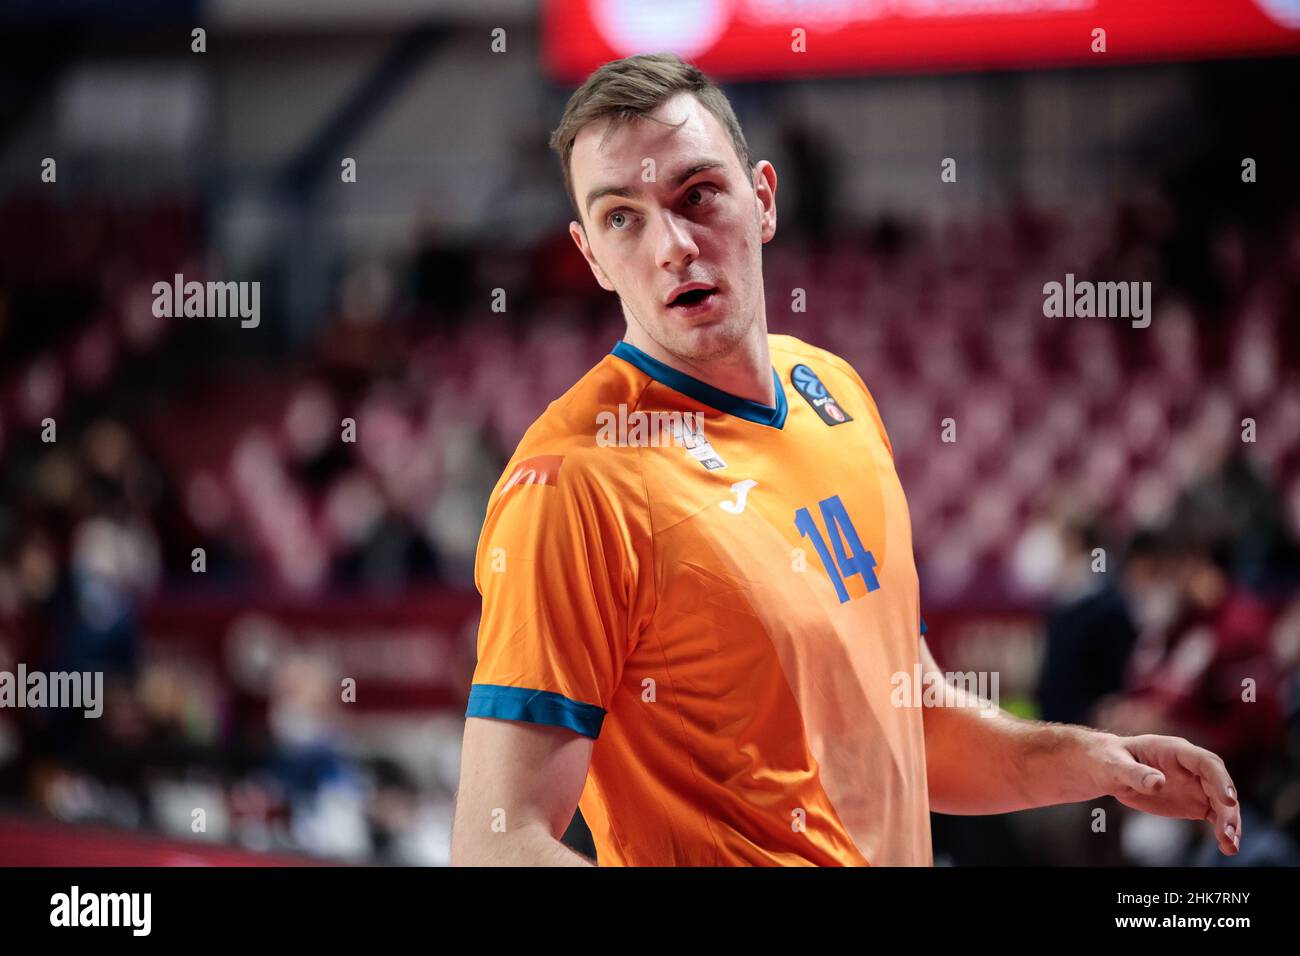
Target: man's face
{"type": "Point", "coordinates": [701, 219]}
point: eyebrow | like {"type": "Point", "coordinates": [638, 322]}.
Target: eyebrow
{"type": "Point", "coordinates": [676, 181]}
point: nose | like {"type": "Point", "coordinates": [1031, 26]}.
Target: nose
{"type": "Point", "coordinates": [675, 248]}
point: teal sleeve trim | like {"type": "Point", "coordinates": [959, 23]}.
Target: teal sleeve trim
{"type": "Point", "coordinates": [534, 707]}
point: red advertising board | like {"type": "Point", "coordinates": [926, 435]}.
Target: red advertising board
{"type": "Point", "coordinates": [757, 39]}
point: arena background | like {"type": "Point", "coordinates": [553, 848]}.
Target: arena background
{"type": "Point", "coordinates": [329, 550]}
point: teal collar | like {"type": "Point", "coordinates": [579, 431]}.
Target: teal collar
{"type": "Point", "coordinates": [703, 392]}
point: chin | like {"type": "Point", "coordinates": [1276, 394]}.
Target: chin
{"type": "Point", "coordinates": [709, 341]}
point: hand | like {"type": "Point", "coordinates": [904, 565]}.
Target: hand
{"type": "Point", "coordinates": [1171, 777]}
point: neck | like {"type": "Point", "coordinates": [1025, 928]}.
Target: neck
{"type": "Point", "coordinates": [745, 371]}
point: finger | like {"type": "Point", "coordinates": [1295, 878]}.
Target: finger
{"type": "Point", "coordinates": [1232, 828]}
{"type": "Point", "coordinates": [1217, 784]}
{"type": "Point", "coordinates": [1220, 838]}
{"type": "Point", "coordinates": [1212, 773]}
{"type": "Point", "coordinates": [1224, 833]}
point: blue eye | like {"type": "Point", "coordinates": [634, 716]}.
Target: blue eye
{"type": "Point", "coordinates": [616, 212]}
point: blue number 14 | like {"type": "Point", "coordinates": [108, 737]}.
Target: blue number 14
{"type": "Point", "coordinates": [847, 562]}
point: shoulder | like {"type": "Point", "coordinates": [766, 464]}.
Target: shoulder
{"type": "Point", "coordinates": [834, 373]}
{"type": "Point", "coordinates": [788, 351]}
{"type": "Point", "coordinates": [562, 496]}
{"type": "Point", "coordinates": [560, 447]}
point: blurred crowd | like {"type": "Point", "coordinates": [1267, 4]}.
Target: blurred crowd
{"type": "Point", "coordinates": [1188, 629]}
{"type": "Point", "coordinates": [364, 460]}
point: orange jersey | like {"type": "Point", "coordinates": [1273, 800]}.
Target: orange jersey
{"type": "Point", "coordinates": [723, 595]}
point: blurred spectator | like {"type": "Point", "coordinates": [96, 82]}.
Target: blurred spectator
{"type": "Point", "coordinates": [1090, 631]}
{"type": "Point", "coordinates": [1208, 674]}
{"type": "Point", "coordinates": [1204, 669]}
{"type": "Point", "coordinates": [1230, 507]}
{"type": "Point", "coordinates": [324, 788]}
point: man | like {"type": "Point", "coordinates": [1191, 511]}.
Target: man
{"type": "Point", "coordinates": [698, 642]}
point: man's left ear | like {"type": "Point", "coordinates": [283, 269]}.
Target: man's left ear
{"type": "Point", "coordinates": [764, 181]}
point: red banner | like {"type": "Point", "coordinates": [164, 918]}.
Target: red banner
{"type": "Point", "coordinates": [758, 39]}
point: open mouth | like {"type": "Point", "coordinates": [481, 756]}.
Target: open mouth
{"type": "Point", "coordinates": [694, 297]}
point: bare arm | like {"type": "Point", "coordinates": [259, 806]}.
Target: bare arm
{"type": "Point", "coordinates": [519, 786]}
{"type": "Point", "coordinates": [977, 763]}
{"type": "Point", "coordinates": [981, 764]}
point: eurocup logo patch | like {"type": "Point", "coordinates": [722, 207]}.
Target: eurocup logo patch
{"type": "Point", "coordinates": [807, 383]}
